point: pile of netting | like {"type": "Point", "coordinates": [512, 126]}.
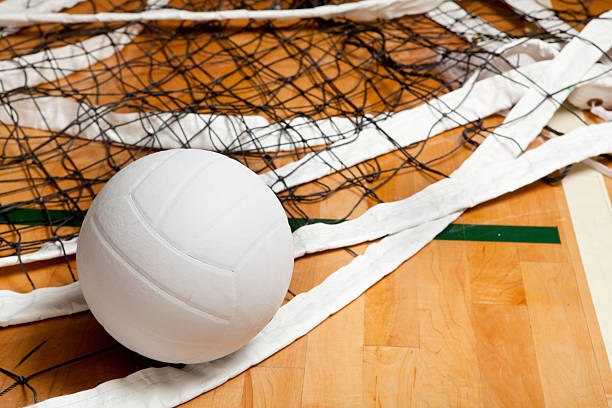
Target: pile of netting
{"type": "Point", "coordinates": [309, 94]}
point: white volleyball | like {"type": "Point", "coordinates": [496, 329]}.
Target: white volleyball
{"type": "Point", "coordinates": [185, 255]}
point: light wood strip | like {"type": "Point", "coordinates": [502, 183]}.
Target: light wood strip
{"type": "Point", "coordinates": [389, 375]}
{"type": "Point", "coordinates": [495, 274]}
{"type": "Point", "coordinates": [536, 205]}
{"type": "Point", "coordinates": [591, 214]}
{"type": "Point", "coordinates": [391, 310]}
{"type": "Point", "coordinates": [566, 231]}
{"type": "Point", "coordinates": [448, 373]}
{"type": "Point", "coordinates": [258, 387]}
{"type": "Point", "coordinates": [229, 394]}
{"type": "Point", "coordinates": [294, 355]}
{"type": "Point", "coordinates": [277, 387]}
{"type": "Point", "coordinates": [334, 357]}
{"type": "Point", "coordinates": [566, 359]}
{"type": "Point", "coordinates": [506, 353]}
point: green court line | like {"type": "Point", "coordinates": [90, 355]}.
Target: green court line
{"type": "Point", "coordinates": [500, 233]}
{"type": "Point", "coordinates": [32, 216]}
{"type": "Point", "coordinates": [454, 232]}
{"type": "Point", "coordinates": [478, 232]}
{"type": "Point", "coordinates": [296, 223]}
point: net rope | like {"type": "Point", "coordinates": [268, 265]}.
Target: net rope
{"type": "Point", "coordinates": [310, 101]}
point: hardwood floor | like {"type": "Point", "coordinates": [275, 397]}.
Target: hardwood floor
{"type": "Point", "coordinates": [460, 324]}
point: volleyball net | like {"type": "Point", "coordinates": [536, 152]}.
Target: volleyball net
{"type": "Point", "coordinates": [312, 96]}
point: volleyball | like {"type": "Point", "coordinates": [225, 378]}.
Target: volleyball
{"type": "Point", "coordinates": [185, 255]}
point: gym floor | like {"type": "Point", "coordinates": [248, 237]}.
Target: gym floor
{"type": "Point", "coordinates": [462, 323]}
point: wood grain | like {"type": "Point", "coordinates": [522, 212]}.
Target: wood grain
{"type": "Point", "coordinates": [389, 375]}
{"type": "Point", "coordinates": [508, 364]}
{"type": "Point", "coordinates": [495, 274]}
{"type": "Point", "coordinates": [540, 209]}
{"type": "Point", "coordinates": [333, 372]}
{"type": "Point", "coordinates": [448, 373]}
{"type": "Point", "coordinates": [391, 310]}
{"type": "Point", "coordinates": [229, 395]}
{"type": "Point", "coordinates": [302, 280]}
{"type": "Point", "coordinates": [561, 339]}
{"type": "Point", "coordinates": [567, 235]}
{"type": "Point", "coordinates": [458, 325]}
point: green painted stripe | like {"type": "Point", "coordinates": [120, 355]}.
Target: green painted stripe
{"type": "Point", "coordinates": [32, 216]}
{"type": "Point", "coordinates": [474, 232]}
{"type": "Point", "coordinates": [500, 233]}
{"type": "Point", "coordinates": [296, 223]}
{"type": "Point", "coordinates": [454, 232]}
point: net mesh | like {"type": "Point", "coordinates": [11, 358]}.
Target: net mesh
{"type": "Point", "coordinates": [284, 90]}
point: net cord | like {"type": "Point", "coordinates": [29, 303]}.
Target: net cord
{"type": "Point", "coordinates": [473, 25]}
{"type": "Point", "coordinates": [168, 137]}
{"type": "Point", "coordinates": [175, 129]}
{"type": "Point", "coordinates": [513, 136]}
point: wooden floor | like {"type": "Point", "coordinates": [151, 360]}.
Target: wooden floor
{"type": "Point", "coordinates": [461, 324]}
